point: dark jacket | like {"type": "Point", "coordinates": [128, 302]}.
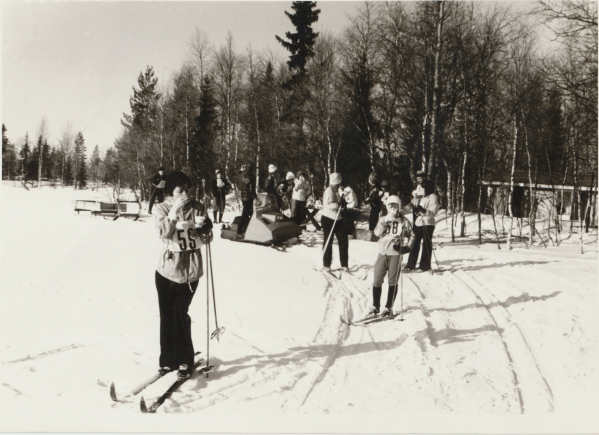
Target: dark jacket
{"type": "Point", "coordinates": [270, 185]}
{"type": "Point", "coordinates": [156, 179]}
{"type": "Point", "coordinates": [246, 186]}
{"type": "Point", "coordinates": [374, 199]}
{"type": "Point", "coordinates": [219, 192]}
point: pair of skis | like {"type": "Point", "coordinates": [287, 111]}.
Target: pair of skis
{"type": "Point", "coordinates": [368, 320]}
{"type": "Point", "coordinates": [174, 386]}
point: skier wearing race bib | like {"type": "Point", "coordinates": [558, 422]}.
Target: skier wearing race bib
{"type": "Point", "coordinates": [157, 181]}
{"type": "Point", "coordinates": [391, 229]}
{"type": "Point", "coordinates": [183, 226]}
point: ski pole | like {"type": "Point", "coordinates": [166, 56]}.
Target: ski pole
{"type": "Point", "coordinates": [219, 331]}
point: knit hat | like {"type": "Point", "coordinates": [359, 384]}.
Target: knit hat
{"type": "Point", "coordinates": [175, 179]}
{"type": "Point", "coordinates": [335, 179]}
{"type": "Point", "coordinates": [161, 169]}
{"type": "Point", "coordinates": [217, 171]}
{"type": "Point", "coordinates": [394, 199]}
{"type": "Point", "coordinates": [271, 169]}
{"type": "Point", "coordinates": [289, 176]}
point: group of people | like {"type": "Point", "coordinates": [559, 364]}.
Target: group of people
{"type": "Point", "coordinates": [388, 222]}
{"type": "Point", "coordinates": [184, 227]}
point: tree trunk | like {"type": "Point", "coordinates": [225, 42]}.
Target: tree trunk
{"type": "Point", "coordinates": [511, 192]}
{"type": "Point", "coordinates": [436, 87]}
{"type": "Point", "coordinates": [462, 199]}
{"type": "Point", "coordinates": [531, 213]}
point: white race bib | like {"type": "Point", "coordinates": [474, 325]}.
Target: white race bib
{"type": "Point", "coordinates": [181, 240]}
{"type": "Point", "coordinates": [420, 190]}
{"type": "Point", "coordinates": [161, 184]}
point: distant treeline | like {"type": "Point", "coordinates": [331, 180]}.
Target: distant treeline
{"type": "Point", "coordinates": [457, 89]}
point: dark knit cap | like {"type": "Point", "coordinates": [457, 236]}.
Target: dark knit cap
{"type": "Point", "coordinates": [175, 179]}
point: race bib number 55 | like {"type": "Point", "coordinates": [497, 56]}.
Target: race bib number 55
{"type": "Point", "coordinates": [181, 240]}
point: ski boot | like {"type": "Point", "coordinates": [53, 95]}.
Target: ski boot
{"type": "Point", "coordinates": [183, 372]}
{"type": "Point", "coordinates": [386, 312]}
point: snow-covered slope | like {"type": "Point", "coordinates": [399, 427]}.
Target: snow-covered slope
{"type": "Point", "coordinates": [498, 341]}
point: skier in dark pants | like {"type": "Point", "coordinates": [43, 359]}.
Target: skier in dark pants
{"type": "Point", "coordinates": [425, 206]}
{"type": "Point", "coordinates": [220, 187]}
{"type": "Point", "coordinates": [247, 188]}
{"type": "Point", "coordinates": [158, 192]}
{"type": "Point", "coordinates": [271, 183]}
{"type": "Point", "coordinates": [331, 224]}
{"type": "Point", "coordinates": [183, 226]}
{"type": "Point", "coordinates": [375, 199]}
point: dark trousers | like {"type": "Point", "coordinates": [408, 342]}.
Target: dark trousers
{"type": "Point", "coordinates": [176, 347]}
{"type": "Point", "coordinates": [373, 218]}
{"type": "Point", "coordinates": [219, 207]}
{"type": "Point", "coordinates": [341, 234]}
{"type": "Point", "coordinates": [246, 215]}
{"type": "Point", "coordinates": [298, 213]}
{"type": "Point", "coordinates": [157, 194]}
{"type": "Point", "coordinates": [422, 233]}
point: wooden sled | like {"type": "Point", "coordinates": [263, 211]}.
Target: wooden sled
{"type": "Point", "coordinates": [115, 210]}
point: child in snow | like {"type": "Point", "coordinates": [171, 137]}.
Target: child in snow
{"type": "Point", "coordinates": [391, 229]}
{"type": "Point", "coordinates": [183, 226]}
{"type": "Point", "coordinates": [331, 224]}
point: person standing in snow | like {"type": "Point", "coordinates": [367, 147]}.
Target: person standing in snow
{"type": "Point", "coordinates": [298, 198]}
{"type": "Point", "coordinates": [183, 226]}
{"type": "Point", "coordinates": [350, 210]}
{"type": "Point", "coordinates": [247, 188]}
{"type": "Point", "coordinates": [392, 229]}
{"type": "Point", "coordinates": [158, 182]}
{"type": "Point", "coordinates": [425, 206]}
{"type": "Point", "coordinates": [220, 188]}
{"type": "Point", "coordinates": [271, 183]}
{"type": "Point", "coordinates": [285, 190]}
{"type": "Point", "coordinates": [331, 224]}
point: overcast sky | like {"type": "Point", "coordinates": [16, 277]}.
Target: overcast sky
{"type": "Point", "coordinates": [78, 61]}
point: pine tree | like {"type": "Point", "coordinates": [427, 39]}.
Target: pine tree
{"type": "Point", "coordinates": [94, 164]}
{"type": "Point", "coordinates": [25, 157]}
{"type": "Point", "coordinates": [82, 174]}
{"type": "Point", "coordinates": [302, 41]}
{"type": "Point", "coordinates": [46, 161]}
{"type": "Point", "coordinates": [301, 48]}
{"type": "Point", "coordinates": [202, 155]}
{"type": "Point", "coordinates": [68, 172]}
{"type": "Point", "coordinates": [79, 159]}
{"type": "Point", "coordinates": [9, 157]}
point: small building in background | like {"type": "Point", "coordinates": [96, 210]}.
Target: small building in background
{"type": "Point", "coordinates": [555, 197]}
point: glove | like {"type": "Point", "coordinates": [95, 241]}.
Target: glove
{"type": "Point", "coordinates": [420, 209]}
{"type": "Point", "coordinates": [203, 230]}
{"type": "Point", "coordinates": [401, 249]}
{"type": "Point", "coordinates": [342, 202]}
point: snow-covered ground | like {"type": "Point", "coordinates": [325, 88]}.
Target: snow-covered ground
{"type": "Point", "coordinates": [499, 341]}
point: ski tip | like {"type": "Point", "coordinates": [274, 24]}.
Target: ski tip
{"type": "Point", "coordinates": [142, 405]}
{"type": "Point", "coordinates": [113, 392]}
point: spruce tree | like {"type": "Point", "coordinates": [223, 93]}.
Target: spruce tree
{"type": "Point", "coordinates": [300, 45]}
{"type": "Point", "coordinates": [68, 172]}
{"type": "Point", "coordinates": [25, 156]}
{"type": "Point", "coordinates": [202, 155]}
{"type": "Point", "coordinates": [301, 42]}
{"type": "Point", "coordinates": [79, 158]}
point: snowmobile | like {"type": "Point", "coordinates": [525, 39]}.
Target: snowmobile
{"type": "Point", "coordinates": [268, 226]}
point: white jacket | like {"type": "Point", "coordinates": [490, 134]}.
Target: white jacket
{"type": "Point", "coordinates": [431, 204]}
{"type": "Point", "coordinates": [299, 190]}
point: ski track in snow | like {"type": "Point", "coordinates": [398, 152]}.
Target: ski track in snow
{"type": "Point", "coordinates": [477, 337]}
